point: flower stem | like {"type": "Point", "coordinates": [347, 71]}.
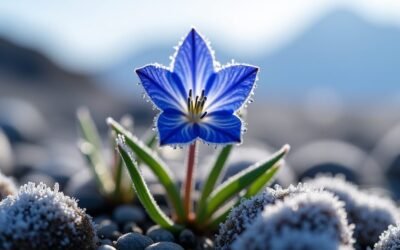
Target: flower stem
{"type": "Point", "coordinates": [188, 184]}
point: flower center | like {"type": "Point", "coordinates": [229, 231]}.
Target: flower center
{"type": "Point", "coordinates": [195, 106]}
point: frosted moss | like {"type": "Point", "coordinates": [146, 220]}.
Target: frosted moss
{"type": "Point", "coordinates": [39, 218]}
{"type": "Point", "coordinates": [244, 214]}
{"type": "Point", "coordinates": [371, 214]}
{"type": "Point", "coordinates": [318, 213]}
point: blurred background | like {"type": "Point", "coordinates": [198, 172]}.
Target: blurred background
{"type": "Point", "coordinates": [329, 83]}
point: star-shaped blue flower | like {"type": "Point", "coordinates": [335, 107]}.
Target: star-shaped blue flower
{"type": "Point", "coordinates": [197, 98]}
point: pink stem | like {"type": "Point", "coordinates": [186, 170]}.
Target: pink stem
{"type": "Point", "coordinates": [188, 184]}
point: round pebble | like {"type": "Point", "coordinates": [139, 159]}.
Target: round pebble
{"type": "Point", "coordinates": [107, 229]}
{"type": "Point", "coordinates": [164, 246]}
{"type": "Point", "coordinates": [133, 241]}
{"type": "Point", "coordinates": [106, 247]}
{"type": "Point", "coordinates": [128, 213]}
{"type": "Point", "coordinates": [187, 238]}
{"type": "Point", "coordinates": [157, 234]}
{"type": "Point", "coordinates": [205, 244]}
{"type": "Point", "coordinates": [131, 227]}
{"type": "Point", "coordinates": [106, 242]}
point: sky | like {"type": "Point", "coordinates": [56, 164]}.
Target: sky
{"type": "Point", "coordinates": [89, 35]}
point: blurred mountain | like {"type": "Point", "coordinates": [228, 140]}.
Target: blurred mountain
{"type": "Point", "coordinates": [28, 75]}
{"type": "Point", "coordinates": [341, 51]}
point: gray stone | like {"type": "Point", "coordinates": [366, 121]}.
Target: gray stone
{"type": "Point", "coordinates": [164, 246]}
{"type": "Point", "coordinates": [133, 241]}
{"type": "Point", "coordinates": [128, 213]}
{"type": "Point", "coordinates": [157, 234]}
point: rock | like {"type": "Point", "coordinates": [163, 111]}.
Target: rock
{"type": "Point", "coordinates": [21, 121]}
{"type": "Point", "coordinates": [164, 246]}
{"type": "Point", "coordinates": [157, 234]}
{"type": "Point", "coordinates": [83, 187]}
{"type": "Point", "coordinates": [334, 157]}
{"type": "Point", "coordinates": [106, 242]}
{"type": "Point", "coordinates": [37, 177]}
{"type": "Point", "coordinates": [107, 229]}
{"type": "Point", "coordinates": [131, 227]}
{"type": "Point", "coordinates": [187, 238]}
{"type": "Point", "coordinates": [28, 157]}
{"type": "Point", "coordinates": [6, 156]}
{"type": "Point", "coordinates": [128, 213]}
{"type": "Point", "coordinates": [133, 241]}
{"type": "Point", "coordinates": [106, 247]}
{"type": "Point", "coordinates": [205, 244]}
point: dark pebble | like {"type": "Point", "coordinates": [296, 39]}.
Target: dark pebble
{"type": "Point", "coordinates": [101, 219]}
{"type": "Point", "coordinates": [133, 241]}
{"type": "Point", "coordinates": [164, 246]}
{"type": "Point", "coordinates": [187, 239]}
{"type": "Point", "coordinates": [131, 227]}
{"type": "Point", "coordinates": [106, 242]}
{"type": "Point", "coordinates": [157, 234]}
{"type": "Point", "coordinates": [106, 247]}
{"type": "Point", "coordinates": [128, 213]}
{"type": "Point", "coordinates": [108, 229]}
{"type": "Point", "coordinates": [205, 244]}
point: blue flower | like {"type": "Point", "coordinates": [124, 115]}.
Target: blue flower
{"type": "Point", "coordinates": [197, 98]}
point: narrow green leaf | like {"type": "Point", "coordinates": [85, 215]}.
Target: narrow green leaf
{"type": "Point", "coordinates": [142, 191]}
{"type": "Point", "coordinates": [88, 128]}
{"type": "Point", "coordinates": [254, 188]}
{"type": "Point", "coordinates": [238, 182]}
{"type": "Point", "coordinates": [90, 147]}
{"type": "Point", "coordinates": [213, 176]}
{"type": "Point", "coordinates": [262, 181]}
{"type": "Point", "coordinates": [158, 167]}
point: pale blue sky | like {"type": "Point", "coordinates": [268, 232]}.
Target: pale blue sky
{"type": "Point", "coordinates": [92, 34]}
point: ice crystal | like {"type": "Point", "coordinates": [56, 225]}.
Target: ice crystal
{"type": "Point", "coordinates": [39, 218]}
{"type": "Point", "coordinates": [389, 239]}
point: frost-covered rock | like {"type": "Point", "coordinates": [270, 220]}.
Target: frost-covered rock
{"type": "Point", "coordinates": [39, 218]}
{"type": "Point", "coordinates": [243, 215]}
{"type": "Point", "coordinates": [318, 213]}
{"type": "Point", "coordinates": [389, 239]}
{"type": "Point", "coordinates": [7, 187]}
{"type": "Point", "coordinates": [306, 240]}
{"type": "Point", "coordinates": [371, 214]}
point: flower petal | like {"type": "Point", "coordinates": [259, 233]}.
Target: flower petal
{"type": "Point", "coordinates": [230, 88]}
{"type": "Point", "coordinates": [160, 86]}
{"type": "Point", "coordinates": [194, 63]}
{"type": "Point", "coordinates": [221, 128]}
{"type": "Point", "coordinates": [174, 128]}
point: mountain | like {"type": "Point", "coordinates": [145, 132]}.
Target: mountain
{"type": "Point", "coordinates": [341, 51]}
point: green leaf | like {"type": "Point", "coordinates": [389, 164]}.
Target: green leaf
{"type": "Point", "coordinates": [262, 181]}
{"type": "Point", "coordinates": [213, 176]}
{"type": "Point", "coordinates": [90, 147]}
{"type": "Point", "coordinates": [237, 183]}
{"type": "Point", "coordinates": [142, 191]}
{"type": "Point", "coordinates": [158, 167]}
